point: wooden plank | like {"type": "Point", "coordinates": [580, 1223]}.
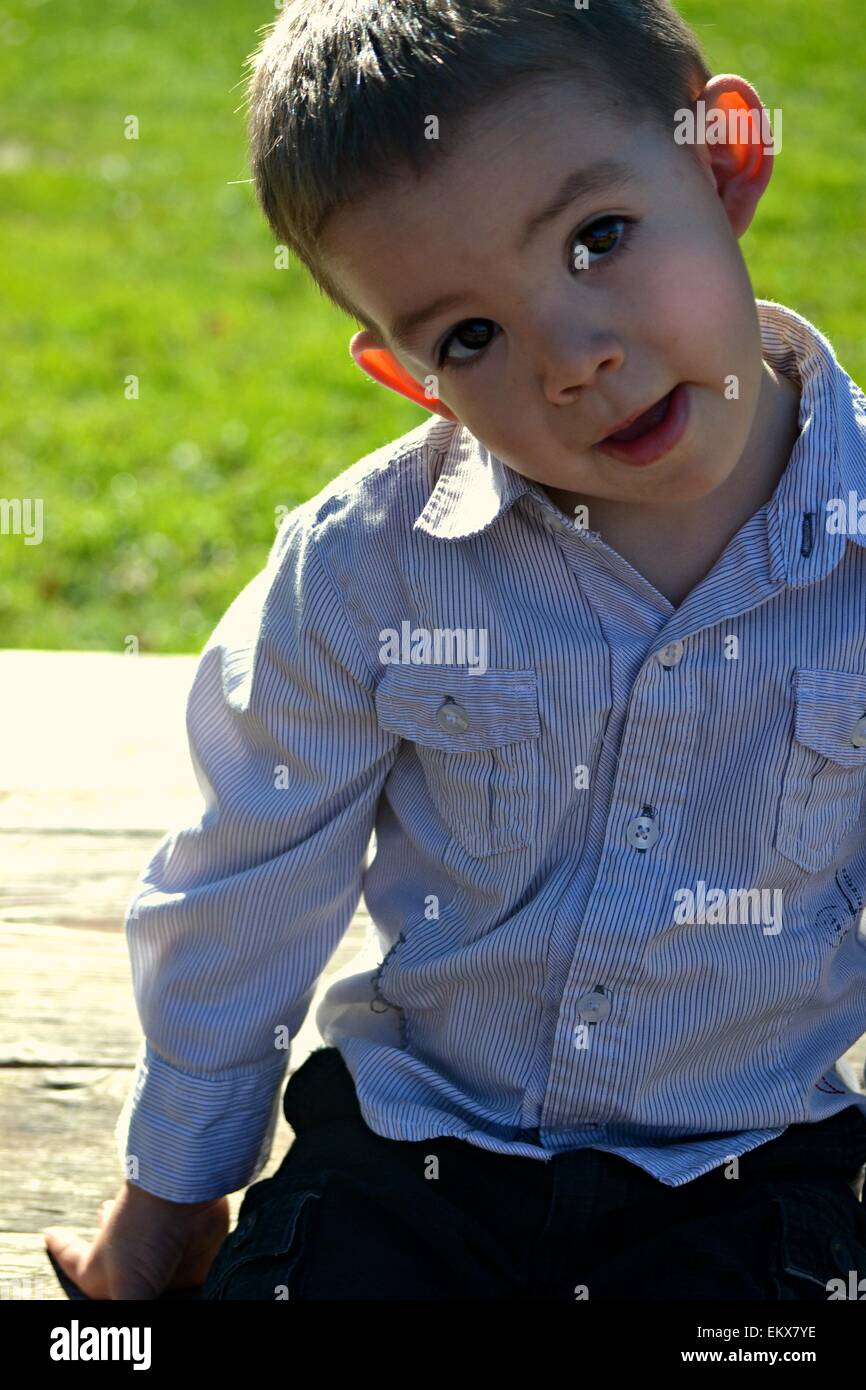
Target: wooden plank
{"type": "Point", "coordinates": [66, 997]}
{"type": "Point", "coordinates": [25, 1274]}
{"type": "Point", "coordinates": [118, 760]}
{"type": "Point", "coordinates": [79, 878]}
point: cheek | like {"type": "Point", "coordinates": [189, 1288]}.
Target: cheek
{"type": "Point", "coordinates": [698, 304]}
{"type": "Point", "coordinates": [484, 398]}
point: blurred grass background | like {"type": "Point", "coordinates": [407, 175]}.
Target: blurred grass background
{"type": "Point", "coordinates": [150, 258]}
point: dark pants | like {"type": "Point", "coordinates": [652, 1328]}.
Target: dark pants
{"type": "Point", "coordinates": [351, 1215]}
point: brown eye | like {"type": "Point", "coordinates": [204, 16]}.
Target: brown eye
{"type": "Point", "coordinates": [470, 336]}
{"type": "Point", "coordinates": [473, 333]}
{"type": "Point", "coordinates": [600, 238]}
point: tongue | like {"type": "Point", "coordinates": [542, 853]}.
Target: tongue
{"type": "Point", "coordinates": [647, 421]}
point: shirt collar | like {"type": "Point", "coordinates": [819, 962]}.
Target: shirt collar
{"type": "Point", "coordinates": [475, 487]}
{"type": "Point", "coordinates": [828, 460]}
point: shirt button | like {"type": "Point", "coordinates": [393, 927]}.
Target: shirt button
{"type": "Point", "coordinates": [642, 832]}
{"type": "Point", "coordinates": [671, 655]}
{"type": "Point", "coordinates": [858, 733]}
{"type": "Point", "coordinates": [452, 718]}
{"type": "Point", "coordinates": [593, 1007]}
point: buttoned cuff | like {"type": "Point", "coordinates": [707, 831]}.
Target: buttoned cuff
{"type": "Point", "coordinates": [191, 1138]}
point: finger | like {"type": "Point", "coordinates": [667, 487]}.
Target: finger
{"type": "Point", "coordinates": [90, 1272]}
{"type": "Point", "coordinates": [72, 1253]}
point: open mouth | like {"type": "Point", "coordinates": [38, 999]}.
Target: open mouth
{"type": "Point", "coordinates": [653, 433]}
{"type": "Point", "coordinates": [647, 421]}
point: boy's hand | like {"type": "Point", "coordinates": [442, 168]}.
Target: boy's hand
{"type": "Point", "coordinates": [145, 1246]}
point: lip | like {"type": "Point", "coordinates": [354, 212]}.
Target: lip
{"type": "Point", "coordinates": [658, 441]}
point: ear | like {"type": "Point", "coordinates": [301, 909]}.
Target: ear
{"type": "Point", "coordinates": [381, 364]}
{"type": "Point", "coordinates": [740, 145]}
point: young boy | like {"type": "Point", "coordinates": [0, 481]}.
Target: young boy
{"type": "Point", "coordinates": [587, 650]}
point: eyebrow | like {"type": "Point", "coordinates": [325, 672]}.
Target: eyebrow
{"type": "Point", "coordinates": [580, 183]}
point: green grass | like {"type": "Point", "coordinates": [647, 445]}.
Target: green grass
{"type": "Point", "coordinates": [150, 258]}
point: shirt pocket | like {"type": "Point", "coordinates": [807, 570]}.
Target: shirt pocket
{"type": "Point", "coordinates": [476, 735]}
{"type": "Point", "coordinates": [825, 774]}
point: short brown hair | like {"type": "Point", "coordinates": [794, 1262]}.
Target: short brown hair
{"type": "Point", "coordinates": [340, 90]}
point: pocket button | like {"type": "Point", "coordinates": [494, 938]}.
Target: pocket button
{"type": "Point", "coordinates": [824, 776]}
{"type": "Point", "coordinates": [858, 733]}
{"type": "Point", "coordinates": [452, 718]}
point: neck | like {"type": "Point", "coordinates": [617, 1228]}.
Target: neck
{"type": "Point", "coordinates": [769, 446]}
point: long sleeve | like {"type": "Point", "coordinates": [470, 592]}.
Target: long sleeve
{"type": "Point", "coordinates": [234, 918]}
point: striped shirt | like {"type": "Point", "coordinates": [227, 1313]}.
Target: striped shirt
{"type": "Point", "coordinates": [620, 851]}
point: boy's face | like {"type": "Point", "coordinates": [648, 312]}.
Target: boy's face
{"type": "Point", "coordinates": [558, 336]}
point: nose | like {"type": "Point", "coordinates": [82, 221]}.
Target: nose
{"type": "Point", "coordinates": [573, 356]}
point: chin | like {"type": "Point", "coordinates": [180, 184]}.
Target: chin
{"type": "Point", "coordinates": [695, 483]}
